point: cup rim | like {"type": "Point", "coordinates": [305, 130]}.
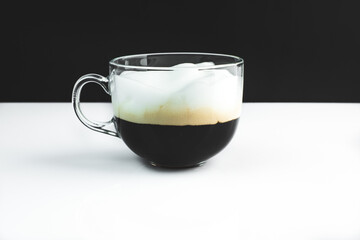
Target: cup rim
{"type": "Point", "coordinates": [237, 61]}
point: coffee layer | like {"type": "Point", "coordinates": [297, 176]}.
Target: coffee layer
{"type": "Point", "coordinates": [184, 96]}
{"type": "Point", "coordinates": [176, 146]}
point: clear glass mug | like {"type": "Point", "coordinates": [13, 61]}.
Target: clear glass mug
{"type": "Point", "coordinates": [172, 109]}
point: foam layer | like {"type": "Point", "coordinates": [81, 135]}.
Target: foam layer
{"type": "Point", "coordinates": [185, 96]}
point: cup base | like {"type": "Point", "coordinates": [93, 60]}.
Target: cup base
{"type": "Point", "coordinates": [154, 164]}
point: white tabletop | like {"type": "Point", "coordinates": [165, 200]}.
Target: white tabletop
{"type": "Point", "coordinates": [292, 171]}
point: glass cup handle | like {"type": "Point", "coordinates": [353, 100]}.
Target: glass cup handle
{"type": "Point", "coordinates": [93, 125]}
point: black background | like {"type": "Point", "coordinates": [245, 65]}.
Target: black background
{"type": "Point", "coordinates": [294, 51]}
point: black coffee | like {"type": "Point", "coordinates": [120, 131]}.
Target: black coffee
{"type": "Point", "coordinates": [176, 146]}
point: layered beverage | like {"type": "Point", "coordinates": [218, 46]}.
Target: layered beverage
{"type": "Point", "coordinates": [177, 117]}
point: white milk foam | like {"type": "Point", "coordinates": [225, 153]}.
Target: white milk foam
{"type": "Point", "coordinates": [185, 96]}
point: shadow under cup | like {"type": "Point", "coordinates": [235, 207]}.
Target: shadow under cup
{"type": "Point", "coordinates": [172, 109]}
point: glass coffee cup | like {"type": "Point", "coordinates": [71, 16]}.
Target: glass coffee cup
{"type": "Point", "coordinates": [173, 109]}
